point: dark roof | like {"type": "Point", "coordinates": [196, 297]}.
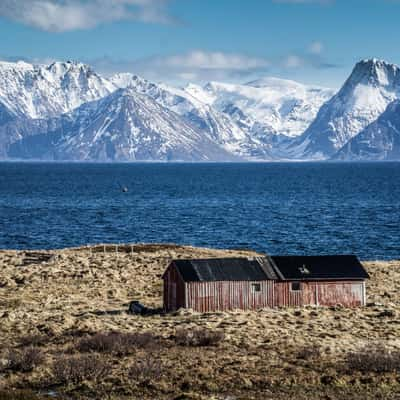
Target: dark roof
{"type": "Point", "coordinates": [285, 268]}
{"type": "Point", "coordinates": [318, 267]}
{"type": "Point", "coordinates": [225, 269]}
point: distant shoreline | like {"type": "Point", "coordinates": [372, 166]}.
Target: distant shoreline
{"type": "Point", "coordinates": [177, 162]}
{"type": "Point", "coordinates": [140, 247]}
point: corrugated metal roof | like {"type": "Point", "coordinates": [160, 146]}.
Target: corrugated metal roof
{"type": "Point", "coordinates": [335, 267]}
{"type": "Point", "coordinates": [225, 269]}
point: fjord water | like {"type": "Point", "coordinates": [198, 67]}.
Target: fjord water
{"type": "Point", "coordinates": [279, 208]}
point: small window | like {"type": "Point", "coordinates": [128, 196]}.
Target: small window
{"type": "Point", "coordinates": [256, 287]}
{"type": "Point", "coordinates": [295, 286]}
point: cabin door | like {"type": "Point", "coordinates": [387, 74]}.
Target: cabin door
{"type": "Point", "coordinates": [172, 296]}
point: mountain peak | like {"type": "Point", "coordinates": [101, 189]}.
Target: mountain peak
{"type": "Point", "coordinates": [125, 79]}
{"type": "Point", "coordinates": [375, 72]}
{"type": "Point", "coordinates": [18, 65]}
{"type": "Point", "coordinates": [63, 67]}
{"type": "Point", "coordinates": [372, 85]}
{"type": "Point", "coordinates": [376, 62]}
{"type": "Point", "coordinates": [42, 91]}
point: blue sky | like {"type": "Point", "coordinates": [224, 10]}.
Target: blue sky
{"type": "Point", "coordinates": [312, 41]}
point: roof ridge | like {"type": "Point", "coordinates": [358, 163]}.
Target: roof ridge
{"type": "Point", "coordinates": [267, 267]}
{"type": "Point", "coordinates": [275, 267]}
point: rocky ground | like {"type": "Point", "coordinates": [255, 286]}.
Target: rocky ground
{"type": "Point", "coordinates": [58, 308]}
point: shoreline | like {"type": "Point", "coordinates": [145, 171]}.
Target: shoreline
{"type": "Point", "coordinates": [137, 246]}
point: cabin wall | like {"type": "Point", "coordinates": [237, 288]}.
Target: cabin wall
{"type": "Point", "coordinates": [346, 293]}
{"type": "Point", "coordinates": [174, 290]}
{"type": "Point", "coordinates": [349, 294]}
{"type": "Point", "coordinates": [228, 295]}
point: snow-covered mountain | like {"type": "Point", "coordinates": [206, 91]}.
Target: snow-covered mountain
{"type": "Point", "coordinates": [47, 91]}
{"type": "Point", "coordinates": [124, 126]}
{"type": "Point", "coordinates": [272, 108]}
{"type": "Point", "coordinates": [67, 111]}
{"type": "Point", "coordinates": [14, 128]}
{"type": "Point", "coordinates": [378, 141]}
{"type": "Point", "coordinates": [265, 107]}
{"type": "Point", "coordinates": [217, 125]}
{"type": "Point", "coordinates": [372, 85]}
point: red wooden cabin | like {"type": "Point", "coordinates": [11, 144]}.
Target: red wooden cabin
{"type": "Point", "coordinates": [220, 284]}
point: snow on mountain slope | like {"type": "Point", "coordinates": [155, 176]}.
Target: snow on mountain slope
{"type": "Point", "coordinates": [46, 91]}
{"type": "Point", "coordinates": [124, 126]}
{"type": "Point", "coordinates": [67, 111]}
{"type": "Point", "coordinates": [9, 131]}
{"type": "Point", "coordinates": [218, 126]}
{"type": "Point", "coordinates": [269, 106]}
{"type": "Point", "coordinates": [365, 95]}
{"type": "Point", "coordinates": [14, 128]}
{"type": "Point", "coordinates": [378, 141]}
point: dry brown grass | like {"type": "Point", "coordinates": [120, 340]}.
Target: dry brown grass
{"type": "Point", "coordinates": [198, 337]}
{"type": "Point", "coordinates": [72, 307]}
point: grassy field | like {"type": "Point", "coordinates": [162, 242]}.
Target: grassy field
{"type": "Point", "coordinates": [65, 331]}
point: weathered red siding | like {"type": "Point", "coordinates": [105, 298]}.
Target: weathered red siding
{"type": "Point", "coordinates": [174, 290]}
{"type": "Point", "coordinates": [349, 294]}
{"type": "Point", "coordinates": [229, 295]}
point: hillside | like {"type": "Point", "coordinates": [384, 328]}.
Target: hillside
{"type": "Point", "coordinates": [267, 354]}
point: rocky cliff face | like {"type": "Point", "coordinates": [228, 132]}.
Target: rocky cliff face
{"type": "Point", "coordinates": [124, 126]}
{"type": "Point", "coordinates": [48, 91]}
{"type": "Point", "coordinates": [363, 98]}
{"type": "Point", "coordinates": [379, 141]}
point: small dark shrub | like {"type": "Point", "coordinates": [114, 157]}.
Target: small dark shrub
{"type": "Point", "coordinates": [116, 343]}
{"type": "Point", "coordinates": [22, 360]}
{"type": "Point", "coordinates": [74, 370]}
{"type": "Point", "coordinates": [100, 342]}
{"type": "Point", "coordinates": [374, 359]}
{"type": "Point", "coordinates": [198, 337]}
{"type": "Point", "coordinates": [19, 395]}
{"type": "Point", "coordinates": [76, 333]}
{"type": "Point", "coordinates": [146, 370]}
{"type": "Point", "coordinates": [33, 340]}
{"type": "Point", "coordinates": [310, 352]}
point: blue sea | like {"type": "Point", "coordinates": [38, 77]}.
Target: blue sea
{"type": "Point", "coordinates": [278, 208]}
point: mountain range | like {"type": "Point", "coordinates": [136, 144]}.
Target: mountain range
{"type": "Point", "coordinates": [67, 111]}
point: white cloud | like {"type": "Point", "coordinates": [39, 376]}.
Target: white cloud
{"type": "Point", "coordinates": [196, 65]}
{"type": "Point", "coordinates": [311, 57]}
{"type": "Point", "coordinates": [202, 66]}
{"type": "Point", "coordinates": [213, 60]}
{"type": "Point", "coordinates": [293, 61]}
{"type": "Point", "coordinates": [68, 15]}
{"type": "Point", "coordinates": [316, 48]}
